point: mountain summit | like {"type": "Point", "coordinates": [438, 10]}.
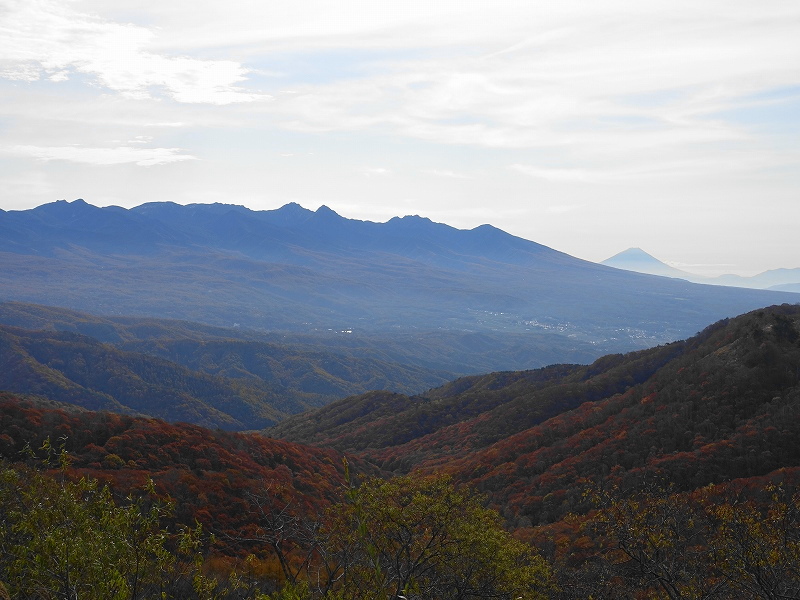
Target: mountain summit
{"type": "Point", "coordinates": [636, 259]}
{"type": "Point", "coordinates": [639, 261]}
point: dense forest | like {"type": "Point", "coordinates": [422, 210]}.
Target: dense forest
{"type": "Point", "coordinates": [229, 383]}
{"type": "Point", "coordinates": [293, 371]}
{"type": "Point", "coordinates": [672, 472]}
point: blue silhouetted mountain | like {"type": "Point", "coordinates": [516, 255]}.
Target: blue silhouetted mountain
{"type": "Point", "coordinates": [778, 279]}
{"type": "Point", "coordinates": [302, 270]}
{"type": "Point", "coordinates": [63, 225]}
{"type": "Point", "coordinates": [786, 287]}
{"type": "Point", "coordinates": [636, 259]}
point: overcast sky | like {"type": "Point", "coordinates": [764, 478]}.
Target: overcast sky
{"type": "Point", "coordinates": [588, 126]}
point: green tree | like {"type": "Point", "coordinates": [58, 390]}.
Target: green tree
{"type": "Point", "coordinates": [420, 537]}
{"type": "Point", "coordinates": [713, 543]}
{"type": "Point", "coordinates": [64, 538]}
{"type": "Point", "coordinates": [655, 545]}
{"type": "Point", "coordinates": [757, 545]}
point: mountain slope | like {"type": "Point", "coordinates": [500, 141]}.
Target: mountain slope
{"type": "Point", "coordinates": [724, 409]}
{"type": "Point", "coordinates": [720, 405]}
{"type": "Point", "coordinates": [229, 383]}
{"type": "Point", "coordinates": [493, 406]}
{"type": "Point", "coordinates": [80, 370]}
{"type": "Point", "coordinates": [787, 287]}
{"type": "Point", "coordinates": [778, 279]}
{"type": "Point", "coordinates": [213, 477]}
{"type": "Point", "coordinates": [318, 375]}
{"type": "Point", "coordinates": [299, 270]}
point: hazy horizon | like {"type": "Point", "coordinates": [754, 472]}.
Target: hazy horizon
{"type": "Point", "coordinates": [589, 128]}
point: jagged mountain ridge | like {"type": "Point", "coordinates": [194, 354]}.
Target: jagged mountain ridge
{"type": "Point", "coordinates": [304, 270]}
{"type": "Point", "coordinates": [288, 231]}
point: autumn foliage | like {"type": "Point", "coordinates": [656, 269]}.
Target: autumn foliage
{"type": "Point", "coordinates": [666, 473]}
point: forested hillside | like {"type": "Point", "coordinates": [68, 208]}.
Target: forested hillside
{"type": "Point", "coordinates": [720, 405]}
{"type": "Point", "coordinates": [69, 367]}
{"type": "Point", "coordinates": [672, 472]}
{"type": "Point", "coordinates": [213, 476]}
{"type": "Point", "coordinates": [403, 361]}
{"type": "Point", "coordinates": [177, 370]}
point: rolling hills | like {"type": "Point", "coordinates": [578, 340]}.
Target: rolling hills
{"type": "Point", "coordinates": [216, 382]}
{"type": "Point", "coordinates": [79, 370]}
{"type": "Point", "coordinates": [720, 405]}
{"type": "Point", "coordinates": [440, 355]}
{"type": "Point", "coordinates": [277, 373]}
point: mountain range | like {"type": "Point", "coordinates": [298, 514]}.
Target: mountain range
{"type": "Point", "coordinates": [636, 259]}
{"type": "Point", "coordinates": [316, 272]}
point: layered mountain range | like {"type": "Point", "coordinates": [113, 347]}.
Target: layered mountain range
{"type": "Point", "coordinates": [636, 259]}
{"type": "Point", "coordinates": [303, 271]}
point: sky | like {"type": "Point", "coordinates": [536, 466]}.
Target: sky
{"type": "Point", "coordinates": [590, 127]}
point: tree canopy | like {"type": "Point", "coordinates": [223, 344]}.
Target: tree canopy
{"type": "Point", "coordinates": [420, 537]}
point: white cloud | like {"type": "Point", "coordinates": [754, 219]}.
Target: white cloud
{"type": "Point", "coordinates": [500, 75]}
{"type": "Point", "coordinates": [144, 157]}
{"type": "Point", "coordinates": [656, 160]}
{"type": "Point", "coordinates": [447, 173]}
{"type": "Point", "coordinates": [19, 186]}
{"type": "Point", "coordinates": [49, 39]}
{"type": "Point", "coordinates": [558, 209]}
{"type": "Point", "coordinates": [587, 78]}
{"type": "Point", "coordinates": [376, 171]}
{"type": "Point", "coordinates": [18, 72]}
{"type": "Point", "coordinates": [561, 175]}
{"type": "Point", "coordinates": [59, 76]}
